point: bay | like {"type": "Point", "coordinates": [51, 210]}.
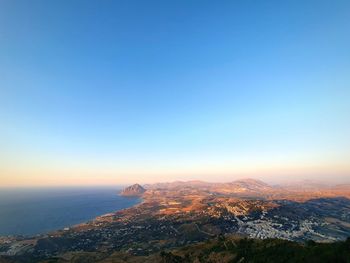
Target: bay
{"type": "Point", "coordinates": [40, 210]}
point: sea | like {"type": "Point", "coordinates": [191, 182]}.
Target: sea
{"type": "Point", "coordinates": [34, 211]}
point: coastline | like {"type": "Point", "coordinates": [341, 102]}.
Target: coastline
{"type": "Point", "coordinates": [103, 216]}
{"type": "Point", "coordinates": [75, 205]}
{"type": "Point", "coordinates": [173, 217]}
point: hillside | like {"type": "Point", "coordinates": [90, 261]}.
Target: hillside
{"type": "Point", "coordinates": [171, 218]}
{"type": "Point", "coordinates": [229, 249]}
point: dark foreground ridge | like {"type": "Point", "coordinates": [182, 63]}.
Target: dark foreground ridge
{"type": "Point", "coordinates": [222, 249]}
{"type": "Point", "coordinates": [233, 249]}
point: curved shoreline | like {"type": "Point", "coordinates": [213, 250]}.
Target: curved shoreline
{"type": "Point", "coordinates": [110, 213]}
{"type": "Point", "coordinates": [42, 219]}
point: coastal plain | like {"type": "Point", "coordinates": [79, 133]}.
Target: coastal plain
{"type": "Point", "coordinates": [177, 215]}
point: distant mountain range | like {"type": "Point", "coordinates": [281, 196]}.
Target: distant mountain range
{"type": "Point", "coordinates": [256, 188]}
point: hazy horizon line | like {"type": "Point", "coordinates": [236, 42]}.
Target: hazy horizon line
{"type": "Point", "coordinates": [111, 185]}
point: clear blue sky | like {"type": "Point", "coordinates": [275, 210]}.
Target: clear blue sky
{"type": "Point", "coordinates": [162, 90]}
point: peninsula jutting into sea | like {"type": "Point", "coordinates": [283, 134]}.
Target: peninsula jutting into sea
{"type": "Point", "coordinates": [175, 219]}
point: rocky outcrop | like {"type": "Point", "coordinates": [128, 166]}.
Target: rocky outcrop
{"type": "Point", "coordinates": [133, 190]}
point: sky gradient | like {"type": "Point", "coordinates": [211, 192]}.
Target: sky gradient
{"type": "Point", "coordinates": [114, 92]}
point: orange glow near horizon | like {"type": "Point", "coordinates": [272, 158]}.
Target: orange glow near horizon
{"type": "Point", "coordinates": [48, 176]}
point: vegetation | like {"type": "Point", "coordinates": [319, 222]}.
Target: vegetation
{"type": "Point", "coordinates": [231, 249]}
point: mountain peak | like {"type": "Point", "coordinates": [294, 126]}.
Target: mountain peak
{"type": "Point", "coordinates": [133, 190]}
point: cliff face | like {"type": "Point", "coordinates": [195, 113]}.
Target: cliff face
{"type": "Point", "coordinates": [133, 190]}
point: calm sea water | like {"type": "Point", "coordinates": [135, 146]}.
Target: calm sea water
{"type": "Point", "coordinates": [38, 211]}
